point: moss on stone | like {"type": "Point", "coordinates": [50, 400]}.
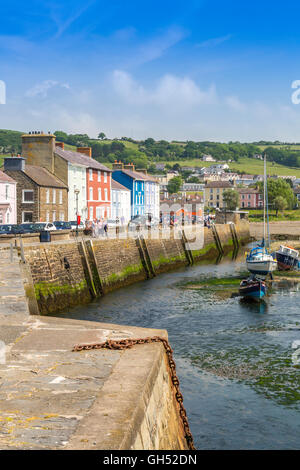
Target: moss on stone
{"type": "Point", "coordinates": [126, 272]}
{"type": "Point", "coordinates": [163, 260]}
{"type": "Point", "coordinates": [45, 289]}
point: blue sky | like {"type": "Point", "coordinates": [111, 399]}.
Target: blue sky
{"type": "Point", "coordinates": [202, 70]}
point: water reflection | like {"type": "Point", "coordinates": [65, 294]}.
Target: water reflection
{"type": "Point", "coordinates": [234, 357]}
{"type": "Point", "coordinates": [254, 306]}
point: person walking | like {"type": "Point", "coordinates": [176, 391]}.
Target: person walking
{"type": "Point", "coordinates": [105, 227]}
{"type": "Point", "coordinates": [117, 226]}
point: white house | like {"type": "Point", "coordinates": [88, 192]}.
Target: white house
{"type": "Point", "coordinates": [8, 199]}
{"type": "Point", "coordinates": [152, 196]}
{"type": "Point", "coordinates": [120, 202]}
{"type": "Point", "coordinates": [208, 158]}
{"type": "Point", "coordinates": [77, 182]}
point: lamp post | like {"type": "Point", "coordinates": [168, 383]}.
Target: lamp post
{"type": "Point", "coordinates": [76, 191]}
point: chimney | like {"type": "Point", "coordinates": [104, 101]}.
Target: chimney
{"type": "Point", "coordinates": [85, 151]}
{"type": "Point", "coordinates": [38, 149]}
{"type": "Point", "coordinates": [14, 164]}
{"type": "Point", "coordinates": [117, 165]}
{"type": "Point", "coordinates": [129, 166]}
{"type": "Point", "coordinates": [60, 145]}
{"type": "Point", "coordinates": [143, 170]}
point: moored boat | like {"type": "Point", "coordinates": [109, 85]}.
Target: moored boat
{"type": "Point", "coordinates": [287, 258]}
{"type": "Point", "coordinates": [259, 261]}
{"type": "Point", "coordinates": [253, 288]}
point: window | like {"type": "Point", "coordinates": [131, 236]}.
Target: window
{"type": "Point", "coordinates": [91, 174]}
{"type": "Point", "coordinates": [53, 216]}
{"type": "Point", "coordinates": [61, 216]}
{"type": "Point", "coordinates": [47, 196]}
{"type": "Point", "coordinates": [60, 196]}
{"type": "Point", "coordinates": [28, 196]}
{"type": "Point", "coordinates": [98, 212]}
{"type": "Point", "coordinates": [105, 177]}
{"type": "Point", "coordinates": [99, 194]}
{"type": "Point", "coordinates": [99, 175]}
{"type": "Point", "coordinates": [7, 218]}
{"type": "Point", "coordinates": [91, 194]}
{"type": "Point", "coordinates": [53, 196]}
{"type": "Point", "coordinates": [91, 213]}
{"type": "Point", "coordinates": [6, 191]}
{"type": "Point", "coordinates": [27, 217]}
{"type": "Point", "coordinates": [105, 194]}
{"type": "Point", "coordinates": [47, 216]}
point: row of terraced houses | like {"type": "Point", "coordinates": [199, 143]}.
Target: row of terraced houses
{"type": "Point", "coordinates": [48, 182]}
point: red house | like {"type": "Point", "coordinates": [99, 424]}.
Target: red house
{"type": "Point", "coordinates": [98, 184]}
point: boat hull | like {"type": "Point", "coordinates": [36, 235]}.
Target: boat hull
{"type": "Point", "coordinates": [256, 290]}
{"type": "Point", "coordinates": [261, 267]}
{"type": "Point", "coordinates": [285, 262]}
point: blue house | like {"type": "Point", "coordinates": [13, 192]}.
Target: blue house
{"type": "Point", "coordinates": [136, 183]}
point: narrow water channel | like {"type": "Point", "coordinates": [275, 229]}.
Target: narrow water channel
{"type": "Point", "coordinates": [234, 359]}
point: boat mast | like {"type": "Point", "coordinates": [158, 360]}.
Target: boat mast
{"type": "Point", "coordinates": [265, 197]}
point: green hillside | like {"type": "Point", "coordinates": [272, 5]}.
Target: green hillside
{"type": "Point", "coordinates": [283, 158]}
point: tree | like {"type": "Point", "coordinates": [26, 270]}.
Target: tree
{"type": "Point", "coordinates": [279, 187]}
{"type": "Point", "coordinates": [193, 179]}
{"type": "Point", "coordinates": [231, 199]}
{"type": "Point", "coordinates": [280, 204]}
{"type": "Point", "coordinates": [174, 184]}
{"type": "Point", "coordinates": [101, 136]}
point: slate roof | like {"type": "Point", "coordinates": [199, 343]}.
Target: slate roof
{"type": "Point", "coordinates": [5, 178]}
{"type": "Point", "coordinates": [116, 185]}
{"type": "Point", "coordinates": [80, 159]}
{"type": "Point", "coordinates": [218, 184]}
{"type": "Point", "coordinates": [43, 177]}
{"type": "Point", "coordinates": [139, 176]}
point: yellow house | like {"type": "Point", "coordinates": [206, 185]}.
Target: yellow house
{"type": "Point", "coordinates": [214, 193]}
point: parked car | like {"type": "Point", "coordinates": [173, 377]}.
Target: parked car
{"type": "Point", "coordinates": [60, 225]}
{"type": "Point", "coordinates": [74, 225]}
{"type": "Point", "coordinates": [142, 221]}
{"type": "Point", "coordinates": [37, 227]}
{"type": "Point", "coordinates": [9, 229]}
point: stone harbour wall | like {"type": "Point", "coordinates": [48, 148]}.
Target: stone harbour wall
{"type": "Point", "coordinates": [67, 273]}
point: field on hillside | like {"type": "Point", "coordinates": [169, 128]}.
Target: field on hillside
{"type": "Point", "coordinates": [257, 215]}
{"type": "Point", "coordinates": [248, 165]}
{"type": "Point", "coordinates": [281, 147]}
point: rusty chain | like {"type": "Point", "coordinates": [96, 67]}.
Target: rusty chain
{"type": "Point", "coordinates": [129, 343]}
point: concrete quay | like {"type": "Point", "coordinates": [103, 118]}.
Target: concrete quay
{"type": "Point", "coordinates": [53, 398]}
{"type": "Point", "coordinates": [282, 230]}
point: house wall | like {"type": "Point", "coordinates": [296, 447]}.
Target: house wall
{"type": "Point", "coordinates": [51, 211]}
{"type": "Point", "coordinates": [10, 215]}
{"type": "Point", "coordinates": [24, 182]}
{"type": "Point", "coordinates": [120, 204]}
{"type": "Point", "coordinates": [98, 207]}
{"type": "Point", "coordinates": [77, 180]}
{"type": "Point", "coordinates": [137, 188]}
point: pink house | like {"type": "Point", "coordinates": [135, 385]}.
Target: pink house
{"type": "Point", "coordinates": [250, 198]}
{"type": "Point", "coordinates": [8, 199]}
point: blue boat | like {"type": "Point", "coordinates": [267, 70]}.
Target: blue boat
{"type": "Point", "coordinates": [253, 288]}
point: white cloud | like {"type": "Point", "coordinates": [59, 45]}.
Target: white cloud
{"type": "Point", "coordinates": [214, 41]}
{"type": "Point", "coordinates": [41, 89]}
{"type": "Point", "coordinates": [234, 103]}
{"type": "Point", "coordinates": [169, 90]}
